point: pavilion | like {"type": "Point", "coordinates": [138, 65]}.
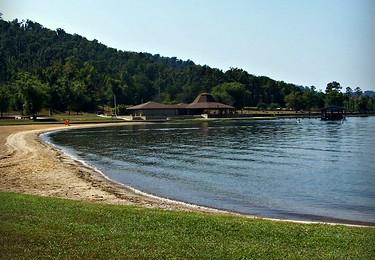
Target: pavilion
{"type": "Point", "coordinates": [203, 104]}
{"type": "Point", "coordinates": [206, 104]}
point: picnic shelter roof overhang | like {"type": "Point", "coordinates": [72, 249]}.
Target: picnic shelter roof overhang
{"type": "Point", "coordinates": [208, 105]}
{"type": "Point", "coordinates": [156, 106]}
{"type": "Point", "coordinates": [207, 101]}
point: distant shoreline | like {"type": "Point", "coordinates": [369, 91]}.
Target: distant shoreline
{"type": "Point", "coordinates": [55, 173]}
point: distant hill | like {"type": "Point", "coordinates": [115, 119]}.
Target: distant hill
{"type": "Point", "coordinates": [56, 57]}
{"type": "Point", "coordinates": [369, 93]}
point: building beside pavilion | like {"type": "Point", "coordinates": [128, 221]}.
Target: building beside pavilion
{"type": "Point", "coordinates": [203, 105]}
{"type": "Point", "coordinates": [156, 110]}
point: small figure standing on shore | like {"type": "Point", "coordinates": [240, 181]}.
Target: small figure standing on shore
{"type": "Point", "coordinates": [66, 122]}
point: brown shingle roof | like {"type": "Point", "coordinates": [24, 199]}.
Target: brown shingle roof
{"type": "Point", "coordinates": [207, 101]}
{"type": "Point", "coordinates": [147, 105]}
{"type": "Point", "coordinates": [155, 105]}
{"type": "Point", "coordinates": [203, 98]}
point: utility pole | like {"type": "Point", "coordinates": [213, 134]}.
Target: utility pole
{"type": "Point", "coordinates": [114, 102]}
{"type": "Point", "coordinates": [159, 87]}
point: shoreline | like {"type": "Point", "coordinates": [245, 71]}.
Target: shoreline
{"type": "Point", "coordinates": [125, 186]}
{"type": "Point", "coordinates": [91, 184]}
{"type": "Point", "coordinates": [29, 159]}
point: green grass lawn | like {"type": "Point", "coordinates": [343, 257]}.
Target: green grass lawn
{"type": "Point", "coordinates": [82, 117]}
{"type": "Point", "coordinates": [59, 118]}
{"type": "Point", "coordinates": [37, 227]}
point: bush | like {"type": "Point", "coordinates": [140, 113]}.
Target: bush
{"type": "Point", "coordinates": [262, 105]}
{"type": "Point", "coordinates": [121, 109]}
{"type": "Point", "coordinates": [274, 106]}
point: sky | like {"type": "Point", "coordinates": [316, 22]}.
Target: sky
{"type": "Point", "coordinates": [298, 41]}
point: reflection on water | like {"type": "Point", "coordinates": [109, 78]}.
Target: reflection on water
{"type": "Point", "coordinates": [287, 168]}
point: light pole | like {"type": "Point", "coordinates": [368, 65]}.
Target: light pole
{"type": "Point", "coordinates": [114, 102]}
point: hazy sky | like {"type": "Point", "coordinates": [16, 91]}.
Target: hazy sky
{"type": "Point", "coordinates": [299, 41]}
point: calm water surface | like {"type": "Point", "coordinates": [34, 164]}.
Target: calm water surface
{"type": "Point", "coordinates": [299, 169]}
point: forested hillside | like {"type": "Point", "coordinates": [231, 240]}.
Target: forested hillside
{"type": "Point", "coordinates": [42, 68]}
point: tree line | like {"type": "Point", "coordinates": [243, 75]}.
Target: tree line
{"type": "Point", "coordinates": [58, 71]}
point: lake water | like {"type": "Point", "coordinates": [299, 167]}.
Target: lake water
{"type": "Point", "coordinates": [303, 169]}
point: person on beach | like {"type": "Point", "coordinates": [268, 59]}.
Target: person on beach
{"type": "Point", "coordinates": [66, 122]}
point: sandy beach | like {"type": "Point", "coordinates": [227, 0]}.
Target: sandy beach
{"type": "Point", "coordinates": [29, 165]}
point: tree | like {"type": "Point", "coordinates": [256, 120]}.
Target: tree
{"type": "Point", "coordinates": [34, 94]}
{"type": "Point", "coordinates": [349, 99]}
{"type": "Point", "coordinates": [294, 100]}
{"type": "Point", "coordinates": [363, 104]}
{"type": "Point", "coordinates": [358, 92]}
{"type": "Point", "coordinates": [311, 99]}
{"type": "Point", "coordinates": [333, 87]}
{"type": "Point", "coordinates": [78, 97]}
{"type": "Point", "coordinates": [233, 93]}
{"type": "Point", "coordinates": [4, 99]}
{"type": "Point", "coordinates": [56, 96]}
{"type": "Point", "coordinates": [333, 95]}
{"type": "Point", "coordinates": [349, 91]}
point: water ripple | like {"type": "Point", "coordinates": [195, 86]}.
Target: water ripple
{"type": "Point", "coordinates": [280, 168]}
